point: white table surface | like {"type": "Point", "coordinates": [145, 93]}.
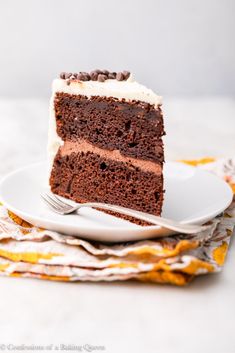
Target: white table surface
{"type": "Point", "coordinates": [123, 317]}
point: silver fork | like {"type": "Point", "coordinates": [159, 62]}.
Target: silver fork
{"type": "Point", "coordinates": [63, 208]}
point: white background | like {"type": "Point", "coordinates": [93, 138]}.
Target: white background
{"type": "Point", "coordinates": [177, 47]}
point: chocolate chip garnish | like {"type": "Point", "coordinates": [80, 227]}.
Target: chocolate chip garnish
{"type": "Point", "coordinates": [120, 76]}
{"type": "Point", "coordinates": [126, 74]}
{"type": "Point", "coordinates": [94, 76]}
{"type": "Point", "coordinates": [102, 78]}
{"type": "Point", "coordinates": [86, 77]}
{"type": "Point", "coordinates": [112, 75]}
{"type": "Point", "coordinates": [62, 75]}
{"type": "Point", "coordinates": [79, 77]}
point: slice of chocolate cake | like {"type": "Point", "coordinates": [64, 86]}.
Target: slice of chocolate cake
{"type": "Point", "coordinates": [105, 141]}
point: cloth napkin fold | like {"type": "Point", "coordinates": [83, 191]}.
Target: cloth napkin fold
{"type": "Point", "coordinates": [28, 251]}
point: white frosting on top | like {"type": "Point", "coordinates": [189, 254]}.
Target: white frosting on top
{"type": "Point", "coordinates": [129, 90]}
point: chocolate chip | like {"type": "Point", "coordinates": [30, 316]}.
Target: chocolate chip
{"type": "Point", "coordinates": [86, 77]}
{"type": "Point", "coordinates": [62, 75]}
{"type": "Point", "coordinates": [68, 75]}
{"type": "Point", "coordinates": [112, 76]}
{"type": "Point", "coordinates": [102, 78]}
{"type": "Point", "coordinates": [94, 76]}
{"type": "Point", "coordinates": [80, 77]}
{"type": "Point", "coordinates": [98, 71]}
{"type": "Point", "coordinates": [120, 76]}
{"type": "Point", "coordinates": [126, 74]}
{"type": "Point", "coordinates": [105, 72]}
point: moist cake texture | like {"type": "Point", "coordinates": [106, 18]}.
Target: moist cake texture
{"type": "Point", "coordinates": [105, 141]}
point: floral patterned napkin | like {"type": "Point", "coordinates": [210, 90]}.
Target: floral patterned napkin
{"type": "Point", "coordinates": [27, 251]}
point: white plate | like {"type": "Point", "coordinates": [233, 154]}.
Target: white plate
{"type": "Point", "coordinates": [192, 196]}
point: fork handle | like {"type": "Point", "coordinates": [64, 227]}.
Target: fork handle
{"type": "Point", "coordinates": [163, 222]}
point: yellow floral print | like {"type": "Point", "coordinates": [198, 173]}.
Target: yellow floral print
{"type": "Point", "coordinates": [220, 252]}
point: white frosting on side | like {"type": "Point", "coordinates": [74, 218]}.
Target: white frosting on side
{"type": "Point", "coordinates": [54, 140]}
{"type": "Point", "coordinates": [129, 90]}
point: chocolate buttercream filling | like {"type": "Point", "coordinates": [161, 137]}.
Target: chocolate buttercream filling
{"type": "Point", "coordinates": [83, 146]}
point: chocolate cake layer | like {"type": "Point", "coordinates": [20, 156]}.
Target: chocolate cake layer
{"type": "Point", "coordinates": [134, 128]}
{"type": "Point", "coordinates": [85, 177]}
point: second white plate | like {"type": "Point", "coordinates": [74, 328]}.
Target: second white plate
{"type": "Point", "coordinates": [192, 196]}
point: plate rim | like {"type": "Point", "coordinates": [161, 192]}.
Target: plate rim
{"type": "Point", "coordinates": [138, 228]}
